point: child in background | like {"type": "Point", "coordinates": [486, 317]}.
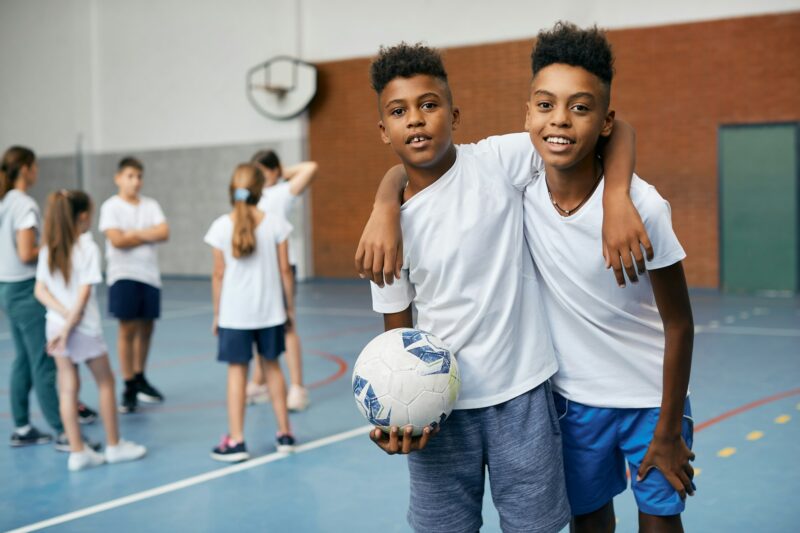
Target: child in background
{"type": "Point", "coordinates": [69, 266]}
{"type": "Point", "coordinates": [251, 289]}
{"type": "Point", "coordinates": [133, 225]}
{"type": "Point", "coordinates": [281, 191]}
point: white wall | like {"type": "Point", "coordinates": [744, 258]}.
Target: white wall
{"type": "Point", "coordinates": [356, 28]}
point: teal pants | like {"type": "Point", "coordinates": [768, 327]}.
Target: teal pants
{"type": "Point", "coordinates": [32, 367]}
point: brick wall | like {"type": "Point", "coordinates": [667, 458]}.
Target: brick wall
{"type": "Point", "coordinates": [675, 84]}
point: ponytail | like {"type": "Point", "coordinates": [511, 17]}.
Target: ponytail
{"type": "Point", "coordinates": [60, 228]}
{"type": "Point", "coordinates": [13, 161]}
{"type": "Point", "coordinates": [245, 189]}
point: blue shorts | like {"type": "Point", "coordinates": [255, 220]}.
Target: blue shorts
{"type": "Point", "coordinates": [598, 441]}
{"type": "Point", "coordinates": [134, 300]}
{"type": "Point", "coordinates": [236, 345]}
{"type": "Point", "coordinates": [518, 441]}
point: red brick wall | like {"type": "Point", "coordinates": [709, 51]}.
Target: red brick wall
{"type": "Point", "coordinates": [675, 84]}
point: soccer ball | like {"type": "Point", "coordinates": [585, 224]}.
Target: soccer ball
{"type": "Point", "coordinates": [406, 377]}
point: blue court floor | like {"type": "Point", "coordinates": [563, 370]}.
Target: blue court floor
{"type": "Point", "coordinates": [745, 397]}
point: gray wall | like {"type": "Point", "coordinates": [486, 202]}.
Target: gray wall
{"type": "Point", "coordinates": [191, 184]}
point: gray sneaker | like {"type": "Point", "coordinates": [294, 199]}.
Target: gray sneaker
{"type": "Point", "coordinates": [62, 443]}
{"type": "Point", "coordinates": [29, 438]}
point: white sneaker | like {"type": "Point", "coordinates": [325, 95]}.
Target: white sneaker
{"type": "Point", "coordinates": [256, 393]}
{"type": "Point", "coordinates": [124, 451]}
{"type": "Point", "coordinates": [84, 459]}
{"type": "Point", "coordinates": [297, 399]}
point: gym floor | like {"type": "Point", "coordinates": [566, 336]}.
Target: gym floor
{"type": "Point", "coordinates": [744, 389]}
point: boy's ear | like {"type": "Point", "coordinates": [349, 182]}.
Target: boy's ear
{"type": "Point", "coordinates": [608, 124]}
{"type": "Point", "coordinates": [527, 116]}
{"type": "Point", "coordinates": [384, 137]}
{"type": "Point", "coordinates": [456, 117]}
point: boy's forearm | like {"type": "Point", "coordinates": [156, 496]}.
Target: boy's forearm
{"type": "Point", "coordinates": [677, 369]}
{"type": "Point", "coordinates": [619, 159]}
{"type": "Point", "coordinates": [390, 190]}
{"type": "Point", "coordinates": [403, 319]}
{"type": "Point", "coordinates": [157, 233]}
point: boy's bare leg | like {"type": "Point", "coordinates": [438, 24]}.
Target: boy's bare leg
{"type": "Point", "coordinates": [125, 341]}
{"type": "Point", "coordinates": [258, 372]}
{"type": "Point", "coordinates": [141, 344]}
{"type": "Point", "coordinates": [602, 520]}
{"type": "Point", "coordinates": [660, 524]}
{"type": "Point", "coordinates": [104, 377]}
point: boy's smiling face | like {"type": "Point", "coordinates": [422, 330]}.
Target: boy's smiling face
{"type": "Point", "coordinates": [567, 113]}
{"type": "Point", "coordinates": [417, 119]}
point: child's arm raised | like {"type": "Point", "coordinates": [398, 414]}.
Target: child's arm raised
{"type": "Point", "coordinates": [623, 231]}
{"type": "Point", "coordinates": [379, 256]}
{"type": "Point", "coordinates": [216, 284]}
{"type": "Point", "coordinates": [668, 451]}
{"type": "Point", "coordinates": [300, 176]}
{"type": "Point", "coordinates": [394, 442]}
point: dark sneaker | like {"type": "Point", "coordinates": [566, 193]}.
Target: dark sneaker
{"type": "Point", "coordinates": [129, 402]}
{"type": "Point", "coordinates": [32, 436]}
{"type": "Point", "coordinates": [230, 451]}
{"type": "Point", "coordinates": [86, 415]}
{"type": "Point", "coordinates": [285, 442]}
{"type": "Point", "coordinates": [62, 444]}
{"type": "Point", "coordinates": [147, 393]}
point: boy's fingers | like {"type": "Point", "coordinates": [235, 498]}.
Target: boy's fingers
{"type": "Point", "coordinates": [407, 439]}
{"type": "Point", "coordinates": [359, 259]}
{"type": "Point", "coordinates": [616, 266]}
{"type": "Point", "coordinates": [377, 268]}
{"type": "Point", "coordinates": [638, 257]}
{"type": "Point", "coordinates": [643, 470]}
{"type": "Point", "coordinates": [605, 256]}
{"type": "Point", "coordinates": [366, 264]}
{"type": "Point", "coordinates": [648, 247]}
{"type": "Point", "coordinates": [628, 263]}
{"type": "Point", "coordinates": [691, 456]}
{"type": "Point", "coordinates": [398, 262]}
{"type": "Point", "coordinates": [687, 483]}
{"type": "Point", "coordinates": [423, 440]}
{"type": "Point", "coordinates": [389, 260]}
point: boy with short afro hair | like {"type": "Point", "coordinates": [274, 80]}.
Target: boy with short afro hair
{"type": "Point", "coordinates": [624, 355]}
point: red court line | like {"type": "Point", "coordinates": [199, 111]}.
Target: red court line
{"type": "Point", "coordinates": [330, 379]}
{"type": "Point", "coordinates": [744, 408]}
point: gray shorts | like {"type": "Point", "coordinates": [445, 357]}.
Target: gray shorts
{"type": "Point", "coordinates": [520, 443]}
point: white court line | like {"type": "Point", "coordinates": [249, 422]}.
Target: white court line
{"type": "Point", "coordinates": [737, 330]}
{"type": "Point", "coordinates": [188, 482]}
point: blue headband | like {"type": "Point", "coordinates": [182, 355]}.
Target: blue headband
{"type": "Point", "coordinates": [241, 195]}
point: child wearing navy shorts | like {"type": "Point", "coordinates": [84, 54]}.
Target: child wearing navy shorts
{"type": "Point", "coordinates": [68, 269]}
{"type": "Point", "coordinates": [251, 291]}
{"type": "Point", "coordinates": [133, 225]}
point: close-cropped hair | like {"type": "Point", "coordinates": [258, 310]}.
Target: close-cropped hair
{"type": "Point", "coordinates": [14, 160]}
{"type": "Point", "coordinates": [245, 189]}
{"type": "Point", "coordinates": [130, 162]}
{"type": "Point", "coordinates": [267, 158]}
{"type": "Point", "coordinates": [568, 44]}
{"type": "Point", "coordinates": [61, 229]}
{"type": "Point", "coordinates": [404, 61]}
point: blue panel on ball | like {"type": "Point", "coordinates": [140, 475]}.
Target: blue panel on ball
{"type": "Point", "coordinates": [358, 385]}
{"type": "Point", "coordinates": [428, 353]}
{"type": "Point", "coordinates": [373, 407]}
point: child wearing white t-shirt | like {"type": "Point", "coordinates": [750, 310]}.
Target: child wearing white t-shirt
{"type": "Point", "coordinates": [133, 226]}
{"type": "Point", "coordinates": [67, 270]}
{"type": "Point", "coordinates": [253, 303]}
{"type": "Point", "coordinates": [282, 189]}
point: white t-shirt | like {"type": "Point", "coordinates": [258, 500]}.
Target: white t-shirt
{"type": "Point", "coordinates": [18, 211]}
{"type": "Point", "coordinates": [85, 261]}
{"type": "Point", "coordinates": [278, 199]}
{"type": "Point", "coordinates": [139, 263]}
{"type": "Point", "coordinates": [252, 292]}
{"type": "Point", "coordinates": [470, 276]}
{"type": "Point", "coordinates": [609, 341]}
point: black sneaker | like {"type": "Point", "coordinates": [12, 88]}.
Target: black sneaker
{"type": "Point", "coordinates": [32, 436]}
{"type": "Point", "coordinates": [62, 443]}
{"type": "Point", "coordinates": [146, 392]}
{"type": "Point", "coordinates": [86, 415]}
{"type": "Point", "coordinates": [285, 442]}
{"type": "Point", "coordinates": [230, 451]}
{"type": "Point", "coordinates": [128, 403]}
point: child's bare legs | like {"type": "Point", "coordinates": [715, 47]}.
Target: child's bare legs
{"type": "Point", "coordinates": [258, 373]}
{"type": "Point", "coordinates": [293, 357]}
{"type": "Point", "coordinates": [660, 524]}
{"type": "Point", "coordinates": [237, 381]}
{"type": "Point", "coordinates": [104, 377]}
{"type": "Point", "coordinates": [68, 387]}
{"type": "Point", "coordinates": [128, 330]}
{"type": "Point", "coordinates": [277, 392]}
{"type": "Point", "coordinates": [141, 344]}
{"type": "Point", "coordinates": [599, 521]}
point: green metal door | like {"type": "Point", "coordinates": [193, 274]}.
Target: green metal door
{"type": "Point", "coordinates": [759, 207]}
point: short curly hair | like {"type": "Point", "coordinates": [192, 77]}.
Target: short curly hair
{"type": "Point", "coordinates": [568, 44]}
{"type": "Point", "coordinates": [404, 61]}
